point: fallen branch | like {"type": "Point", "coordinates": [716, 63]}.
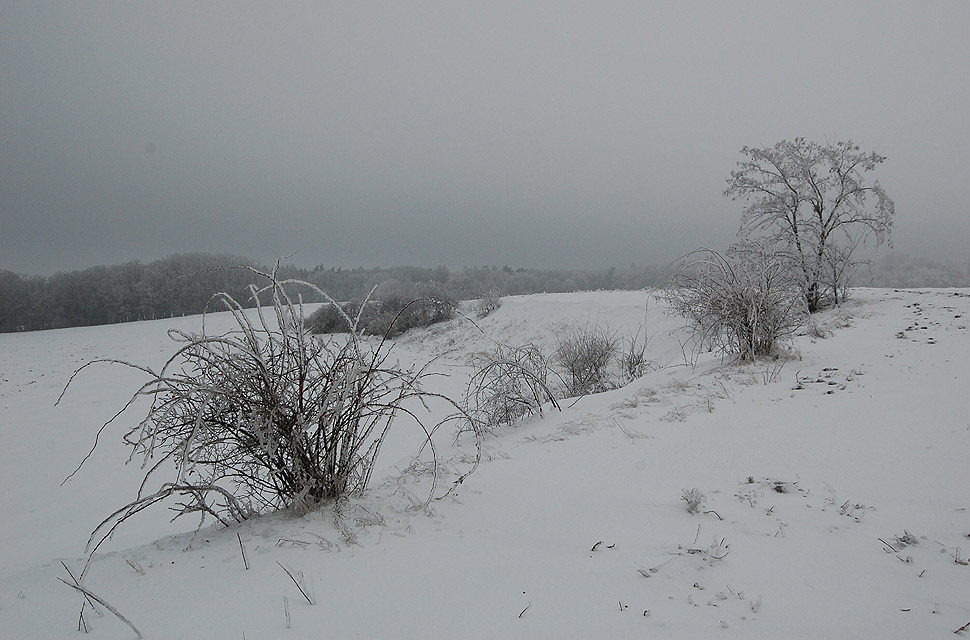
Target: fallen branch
{"type": "Point", "coordinates": [88, 594]}
{"type": "Point", "coordinates": [82, 624]}
{"type": "Point", "coordinates": [296, 582]}
{"type": "Point", "coordinates": [78, 583]}
{"type": "Point", "coordinates": [891, 549]}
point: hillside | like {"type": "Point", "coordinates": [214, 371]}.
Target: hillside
{"type": "Point", "coordinates": [831, 488]}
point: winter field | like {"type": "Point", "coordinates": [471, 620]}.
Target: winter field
{"type": "Point", "coordinates": [830, 494]}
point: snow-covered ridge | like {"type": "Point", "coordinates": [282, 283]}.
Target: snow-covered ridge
{"type": "Point", "coordinates": [829, 490]}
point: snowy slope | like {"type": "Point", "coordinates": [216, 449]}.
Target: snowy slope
{"type": "Point", "coordinates": [835, 490]}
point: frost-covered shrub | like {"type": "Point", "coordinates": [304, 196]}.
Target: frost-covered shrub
{"type": "Point", "coordinates": [694, 499]}
{"type": "Point", "coordinates": [584, 355]}
{"type": "Point", "coordinates": [397, 314]}
{"type": "Point", "coordinates": [508, 384]}
{"type": "Point", "coordinates": [632, 357]}
{"type": "Point", "coordinates": [390, 315]}
{"type": "Point", "coordinates": [488, 303]}
{"type": "Point", "coordinates": [331, 318]}
{"type": "Point", "coordinates": [266, 416]}
{"type": "Point", "coordinates": [742, 302]}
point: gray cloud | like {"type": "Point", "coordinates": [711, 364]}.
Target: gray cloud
{"type": "Point", "coordinates": [535, 134]}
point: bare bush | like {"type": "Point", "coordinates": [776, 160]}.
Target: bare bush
{"type": "Point", "coordinates": [390, 315]}
{"type": "Point", "coordinates": [398, 313]}
{"type": "Point", "coordinates": [488, 303]}
{"type": "Point", "coordinates": [584, 354]}
{"type": "Point", "coordinates": [508, 384]}
{"type": "Point", "coordinates": [742, 302]}
{"type": "Point", "coordinates": [331, 318]}
{"type": "Point", "coordinates": [817, 330]}
{"type": "Point", "coordinates": [632, 356]}
{"type": "Point", "coordinates": [266, 416]}
{"type": "Point", "coordinates": [441, 304]}
{"type": "Point", "coordinates": [694, 499]}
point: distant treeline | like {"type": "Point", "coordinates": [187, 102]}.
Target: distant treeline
{"type": "Point", "coordinates": [183, 284]}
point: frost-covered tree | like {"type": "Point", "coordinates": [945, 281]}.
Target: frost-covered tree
{"type": "Point", "coordinates": [816, 202]}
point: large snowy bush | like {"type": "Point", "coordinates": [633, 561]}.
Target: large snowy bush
{"type": "Point", "coordinates": [267, 416]}
{"type": "Point", "coordinates": [742, 302]}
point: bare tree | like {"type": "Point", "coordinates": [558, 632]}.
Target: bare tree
{"type": "Point", "coordinates": [814, 201]}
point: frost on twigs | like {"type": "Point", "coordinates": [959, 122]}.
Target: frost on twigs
{"type": "Point", "coordinates": [694, 499]}
{"type": "Point", "coordinates": [508, 383]}
{"type": "Point", "coordinates": [816, 203]}
{"type": "Point", "coordinates": [584, 355]}
{"type": "Point", "coordinates": [743, 302]}
{"type": "Point", "coordinates": [266, 416]}
{"type": "Point", "coordinates": [488, 303]}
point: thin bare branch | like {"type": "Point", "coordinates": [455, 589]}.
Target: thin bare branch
{"type": "Point", "coordinates": [88, 594]}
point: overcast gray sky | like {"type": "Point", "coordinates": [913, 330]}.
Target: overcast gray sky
{"type": "Point", "coordinates": [537, 134]}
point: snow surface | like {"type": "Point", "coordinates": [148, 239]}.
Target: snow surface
{"type": "Point", "coordinates": [835, 486]}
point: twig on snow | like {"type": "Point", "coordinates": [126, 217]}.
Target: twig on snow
{"type": "Point", "coordinates": [296, 582]}
{"type": "Point", "coordinates": [890, 549]}
{"type": "Point", "coordinates": [87, 593]}
{"type": "Point", "coordinates": [78, 583]}
{"type": "Point", "coordinates": [242, 550]}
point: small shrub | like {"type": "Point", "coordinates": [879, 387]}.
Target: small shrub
{"type": "Point", "coordinates": [817, 330]}
{"type": "Point", "coordinates": [632, 356]}
{"type": "Point", "coordinates": [488, 303]}
{"type": "Point", "coordinates": [508, 384]}
{"type": "Point", "coordinates": [439, 305]}
{"type": "Point", "coordinates": [398, 314]}
{"type": "Point", "coordinates": [391, 315]}
{"type": "Point", "coordinates": [694, 499]}
{"type": "Point", "coordinates": [584, 354]}
{"type": "Point", "coordinates": [330, 318]}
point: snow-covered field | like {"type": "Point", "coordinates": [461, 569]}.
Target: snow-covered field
{"type": "Point", "coordinates": [835, 493]}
